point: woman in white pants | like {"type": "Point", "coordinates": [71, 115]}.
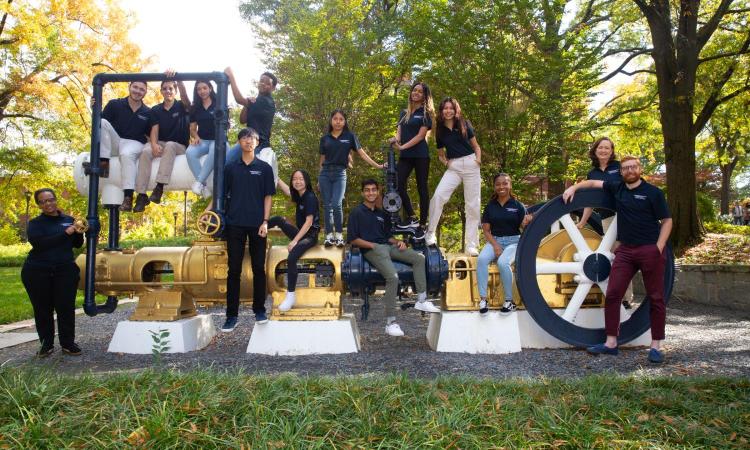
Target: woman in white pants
{"type": "Point", "coordinates": [459, 151]}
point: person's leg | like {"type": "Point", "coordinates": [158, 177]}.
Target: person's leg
{"type": "Point", "coordinates": [448, 183]}
{"type": "Point", "coordinates": [416, 260]}
{"type": "Point", "coordinates": [166, 165]}
{"type": "Point", "coordinates": [325, 182]}
{"type": "Point", "coordinates": [486, 256]}
{"type": "Point", "coordinates": [144, 169]}
{"type": "Point", "coordinates": [380, 259]}
{"type": "Point", "coordinates": [109, 141]}
{"type": "Point", "coordinates": [287, 228]}
{"type": "Point", "coordinates": [506, 272]}
{"type": "Point", "coordinates": [258, 265]}
{"type": "Point", "coordinates": [208, 164]}
{"type": "Point", "coordinates": [652, 263]}
{"type": "Point", "coordinates": [623, 270]}
{"type": "Point", "coordinates": [295, 254]}
{"type": "Point", "coordinates": [338, 188]}
{"type": "Point", "coordinates": [236, 237]}
{"type": "Point", "coordinates": [233, 154]}
{"type": "Point", "coordinates": [194, 153]}
{"type": "Point", "coordinates": [38, 284]}
{"type": "Point", "coordinates": [130, 151]}
{"type": "Point", "coordinates": [64, 287]}
{"type": "Point", "coordinates": [472, 179]}
{"type": "Point", "coordinates": [403, 170]}
{"type": "Point", "coordinates": [422, 166]}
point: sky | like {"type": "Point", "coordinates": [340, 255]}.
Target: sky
{"type": "Point", "coordinates": [212, 36]}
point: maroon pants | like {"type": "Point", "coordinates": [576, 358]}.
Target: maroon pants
{"type": "Point", "coordinates": [629, 259]}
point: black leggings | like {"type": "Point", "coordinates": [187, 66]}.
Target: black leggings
{"type": "Point", "coordinates": [304, 244]}
{"type": "Point", "coordinates": [404, 169]}
{"type": "Point", "coordinates": [53, 290]}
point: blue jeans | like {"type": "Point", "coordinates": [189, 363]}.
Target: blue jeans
{"type": "Point", "coordinates": [332, 181]}
{"type": "Point", "coordinates": [233, 154]}
{"type": "Point", "coordinates": [509, 244]}
{"type": "Point", "coordinates": [194, 154]}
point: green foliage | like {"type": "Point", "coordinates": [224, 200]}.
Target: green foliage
{"type": "Point", "coordinates": [706, 207]}
{"type": "Point", "coordinates": [9, 235]}
{"type": "Point", "coordinates": [13, 255]}
{"type": "Point", "coordinates": [204, 409]}
{"type": "Point", "coordinates": [726, 228]}
{"type": "Point", "coordinates": [14, 302]}
{"type": "Point", "coordinates": [160, 344]}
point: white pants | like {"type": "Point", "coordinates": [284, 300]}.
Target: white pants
{"type": "Point", "coordinates": [460, 170]}
{"type": "Point", "coordinates": [267, 155]}
{"type": "Point", "coordinates": [111, 144]}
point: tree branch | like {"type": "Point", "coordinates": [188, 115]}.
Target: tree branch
{"type": "Point", "coordinates": [16, 116]}
{"type": "Point", "coordinates": [744, 49]}
{"type": "Point", "coordinates": [4, 19]}
{"type": "Point", "coordinates": [705, 32]}
{"type": "Point", "coordinates": [624, 63]}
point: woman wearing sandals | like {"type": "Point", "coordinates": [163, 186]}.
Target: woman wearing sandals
{"type": "Point", "coordinates": [459, 151]}
{"type": "Point", "coordinates": [303, 236]}
{"type": "Point", "coordinates": [335, 148]}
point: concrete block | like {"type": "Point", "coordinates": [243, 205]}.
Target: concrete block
{"type": "Point", "coordinates": [305, 337]}
{"type": "Point", "coordinates": [186, 335]}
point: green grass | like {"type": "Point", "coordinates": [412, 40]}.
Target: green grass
{"type": "Point", "coordinates": [218, 410]}
{"type": "Point", "coordinates": [14, 302]}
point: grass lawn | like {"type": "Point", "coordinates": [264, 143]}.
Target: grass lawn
{"type": "Point", "coordinates": [206, 409]}
{"type": "Point", "coordinates": [14, 302]}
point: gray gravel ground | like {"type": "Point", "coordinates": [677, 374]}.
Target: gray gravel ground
{"type": "Point", "coordinates": [702, 340]}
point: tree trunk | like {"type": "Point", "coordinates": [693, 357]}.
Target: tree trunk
{"type": "Point", "coordinates": [726, 183]}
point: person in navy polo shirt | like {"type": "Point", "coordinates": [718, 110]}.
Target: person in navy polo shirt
{"type": "Point", "coordinates": [459, 151]}
{"type": "Point", "coordinates": [169, 137]}
{"type": "Point", "coordinates": [249, 191]}
{"type": "Point", "coordinates": [125, 124]}
{"type": "Point", "coordinates": [502, 220]}
{"type": "Point", "coordinates": [643, 228]}
{"type": "Point", "coordinates": [369, 230]}
{"type": "Point", "coordinates": [257, 113]}
{"type": "Point", "coordinates": [411, 141]}
{"type": "Point", "coordinates": [304, 236]}
{"type": "Point", "coordinates": [203, 134]}
{"type": "Point", "coordinates": [335, 153]}
{"type": "Point", "coordinates": [605, 166]}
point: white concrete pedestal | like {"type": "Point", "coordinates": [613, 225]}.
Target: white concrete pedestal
{"type": "Point", "coordinates": [471, 332]}
{"type": "Point", "coordinates": [185, 335]}
{"type": "Point", "coordinates": [305, 337]}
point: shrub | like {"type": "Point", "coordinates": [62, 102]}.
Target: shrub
{"type": "Point", "coordinates": [9, 235]}
{"type": "Point", "coordinates": [726, 228]}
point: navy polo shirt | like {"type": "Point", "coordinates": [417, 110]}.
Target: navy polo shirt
{"type": "Point", "coordinates": [205, 119]}
{"type": "Point", "coordinates": [504, 220]}
{"type": "Point", "coordinates": [260, 118]}
{"type": "Point", "coordinates": [308, 205]}
{"type": "Point", "coordinates": [173, 122]}
{"type": "Point", "coordinates": [50, 245]}
{"type": "Point", "coordinates": [336, 149]}
{"type": "Point", "coordinates": [410, 128]}
{"type": "Point", "coordinates": [128, 124]}
{"type": "Point", "coordinates": [639, 211]}
{"type": "Point", "coordinates": [246, 188]}
{"type": "Point", "coordinates": [454, 142]}
{"type": "Point", "coordinates": [372, 225]}
{"type": "Point", "coordinates": [611, 173]}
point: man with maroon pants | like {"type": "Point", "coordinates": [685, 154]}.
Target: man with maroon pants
{"type": "Point", "coordinates": [643, 227]}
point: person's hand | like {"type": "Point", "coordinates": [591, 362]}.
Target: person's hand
{"type": "Point", "coordinates": [383, 166]}
{"type": "Point", "coordinates": [156, 150]}
{"type": "Point", "coordinates": [498, 250]}
{"type": "Point", "coordinates": [263, 230]}
{"type": "Point", "coordinates": [70, 230]}
{"type": "Point", "coordinates": [228, 71]}
{"type": "Point", "coordinates": [392, 140]}
{"type": "Point", "coordinates": [660, 247]}
{"type": "Point", "coordinates": [581, 224]}
{"type": "Point", "coordinates": [401, 245]}
{"type": "Point", "coordinates": [170, 73]}
{"type": "Point", "coordinates": [444, 160]}
{"type": "Point", "coordinates": [251, 99]}
{"type": "Point", "coordinates": [567, 196]}
{"type": "Point", "coordinates": [196, 140]}
{"type": "Point", "coordinates": [526, 219]}
{"type": "Point", "coordinates": [291, 245]}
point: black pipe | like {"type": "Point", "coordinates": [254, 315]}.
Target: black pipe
{"type": "Point", "coordinates": [92, 214]}
{"type": "Point", "coordinates": [221, 116]}
{"type": "Point", "coordinates": [113, 238]}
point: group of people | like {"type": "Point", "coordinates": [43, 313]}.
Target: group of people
{"type": "Point", "coordinates": [251, 180]}
{"type": "Point", "coordinates": [740, 213]}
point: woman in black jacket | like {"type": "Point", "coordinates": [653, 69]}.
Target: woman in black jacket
{"type": "Point", "coordinates": [50, 274]}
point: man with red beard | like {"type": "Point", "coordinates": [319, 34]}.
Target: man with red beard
{"type": "Point", "coordinates": [643, 228]}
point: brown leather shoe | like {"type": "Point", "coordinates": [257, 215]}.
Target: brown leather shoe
{"type": "Point", "coordinates": [140, 203]}
{"type": "Point", "coordinates": [156, 194]}
{"type": "Point", "coordinates": [127, 204]}
{"type": "Point", "coordinates": [103, 168]}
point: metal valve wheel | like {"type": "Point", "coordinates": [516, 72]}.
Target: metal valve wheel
{"type": "Point", "coordinates": [209, 223]}
{"type": "Point", "coordinates": [587, 266]}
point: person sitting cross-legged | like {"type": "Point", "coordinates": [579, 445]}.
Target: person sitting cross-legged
{"type": "Point", "coordinates": [368, 229]}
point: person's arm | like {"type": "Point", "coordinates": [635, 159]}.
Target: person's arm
{"type": "Point", "coordinates": [302, 231]}
{"type": "Point", "coordinates": [477, 149]}
{"type": "Point", "coordinates": [441, 156]}
{"type": "Point", "coordinates": [400, 244]}
{"type": "Point", "coordinates": [184, 98]}
{"type": "Point", "coordinates": [570, 192]}
{"type": "Point", "coordinates": [664, 231]}
{"type": "Point", "coordinates": [41, 241]}
{"type": "Point", "coordinates": [154, 140]}
{"type": "Point", "coordinates": [267, 202]}
{"type": "Point", "coordinates": [238, 97]}
{"type": "Point", "coordinates": [585, 217]}
{"type": "Point", "coordinates": [194, 133]}
{"type": "Point", "coordinates": [361, 243]}
{"type": "Point", "coordinates": [363, 154]}
{"type": "Point", "coordinates": [320, 163]}
{"type": "Point", "coordinates": [487, 231]}
{"type": "Point", "coordinates": [415, 140]}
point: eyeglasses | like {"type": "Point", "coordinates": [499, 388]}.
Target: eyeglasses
{"type": "Point", "coordinates": [630, 168]}
{"type": "Point", "coordinates": [47, 200]}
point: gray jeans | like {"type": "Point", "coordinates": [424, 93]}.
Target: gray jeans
{"type": "Point", "coordinates": [382, 257]}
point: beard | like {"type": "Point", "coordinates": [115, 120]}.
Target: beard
{"type": "Point", "coordinates": [631, 177]}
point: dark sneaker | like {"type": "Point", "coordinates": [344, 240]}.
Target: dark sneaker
{"type": "Point", "coordinates": [483, 306]}
{"type": "Point", "coordinates": [261, 318]}
{"type": "Point", "coordinates": [626, 304]}
{"type": "Point", "coordinates": [229, 325]}
{"type": "Point", "coordinates": [601, 349]}
{"type": "Point", "coordinates": [156, 194]}
{"type": "Point", "coordinates": [141, 202]}
{"type": "Point", "coordinates": [330, 241]}
{"type": "Point", "coordinates": [71, 349]}
{"type": "Point", "coordinates": [508, 307]}
{"type": "Point", "coordinates": [127, 204]}
{"type": "Point", "coordinates": [103, 168]}
{"type": "Point", "coordinates": [340, 243]}
{"type": "Point", "coordinates": [411, 222]}
{"type": "Point", "coordinates": [45, 350]}
{"type": "Point", "coordinates": [655, 356]}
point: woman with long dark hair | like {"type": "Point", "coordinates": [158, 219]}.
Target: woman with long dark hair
{"type": "Point", "coordinates": [335, 153]}
{"type": "Point", "coordinates": [414, 124]}
{"type": "Point", "coordinates": [459, 151]}
{"type": "Point", "coordinates": [50, 274]}
{"type": "Point", "coordinates": [502, 220]}
{"type": "Point", "coordinates": [203, 136]}
{"type": "Point", "coordinates": [304, 235]}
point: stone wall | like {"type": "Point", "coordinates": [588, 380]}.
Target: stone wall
{"type": "Point", "coordinates": [725, 285]}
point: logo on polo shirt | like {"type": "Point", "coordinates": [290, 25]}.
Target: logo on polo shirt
{"type": "Point", "coordinates": [66, 224]}
{"type": "Point", "coordinates": [613, 171]}
{"type": "Point", "coordinates": [345, 141]}
{"type": "Point", "coordinates": [511, 209]}
{"type": "Point", "coordinates": [302, 207]}
{"type": "Point", "coordinates": [417, 117]}
{"type": "Point", "coordinates": [640, 197]}
{"type": "Point", "coordinates": [380, 219]}
{"type": "Point", "coordinates": [255, 172]}
{"type": "Point", "coordinates": [142, 117]}
{"type": "Point", "coordinates": [175, 114]}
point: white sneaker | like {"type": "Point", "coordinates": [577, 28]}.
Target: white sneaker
{"type": "Point", "coordinates": [288, 303]}
{"type": "Point", "coordinates": [392, 329]}
{"type": "Point", "coordinates": [207, 191]}
{"type": "Point", "coordinates": [197, 188]}
{"type": "Point", "coordinates": [430, 239]}
{"type": "Point", "coordinates": [472, 251]}
{"type": "Point", "coordinates": [426, 306]}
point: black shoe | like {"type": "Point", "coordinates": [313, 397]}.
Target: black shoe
{"type": "Point", "coordinates": [103, 168]}
{"type": "Point", "coordinates": [71, 349]}
{"type": "Point", "coordinates": [508, 307]}
{"type": "Point", "coordinates": [340, 243]}
{"type": "Point", "coordinates": [411, 222]}
{"type": "Point", "coordinates": [229, 325]}
{"type": "Point", "coordinates": [156, 194]}
{"type": "Point", "coordinates": [483, 307]}
{"type": "Point", "coordinates": [141, 202]}
{"type": "Point", "coordinates": [127, 204]}
{"type": "Point", "coordinates": [45, 350]}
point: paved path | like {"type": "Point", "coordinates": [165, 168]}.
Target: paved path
{"type": "Point", "coordinates": [701, 341]}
